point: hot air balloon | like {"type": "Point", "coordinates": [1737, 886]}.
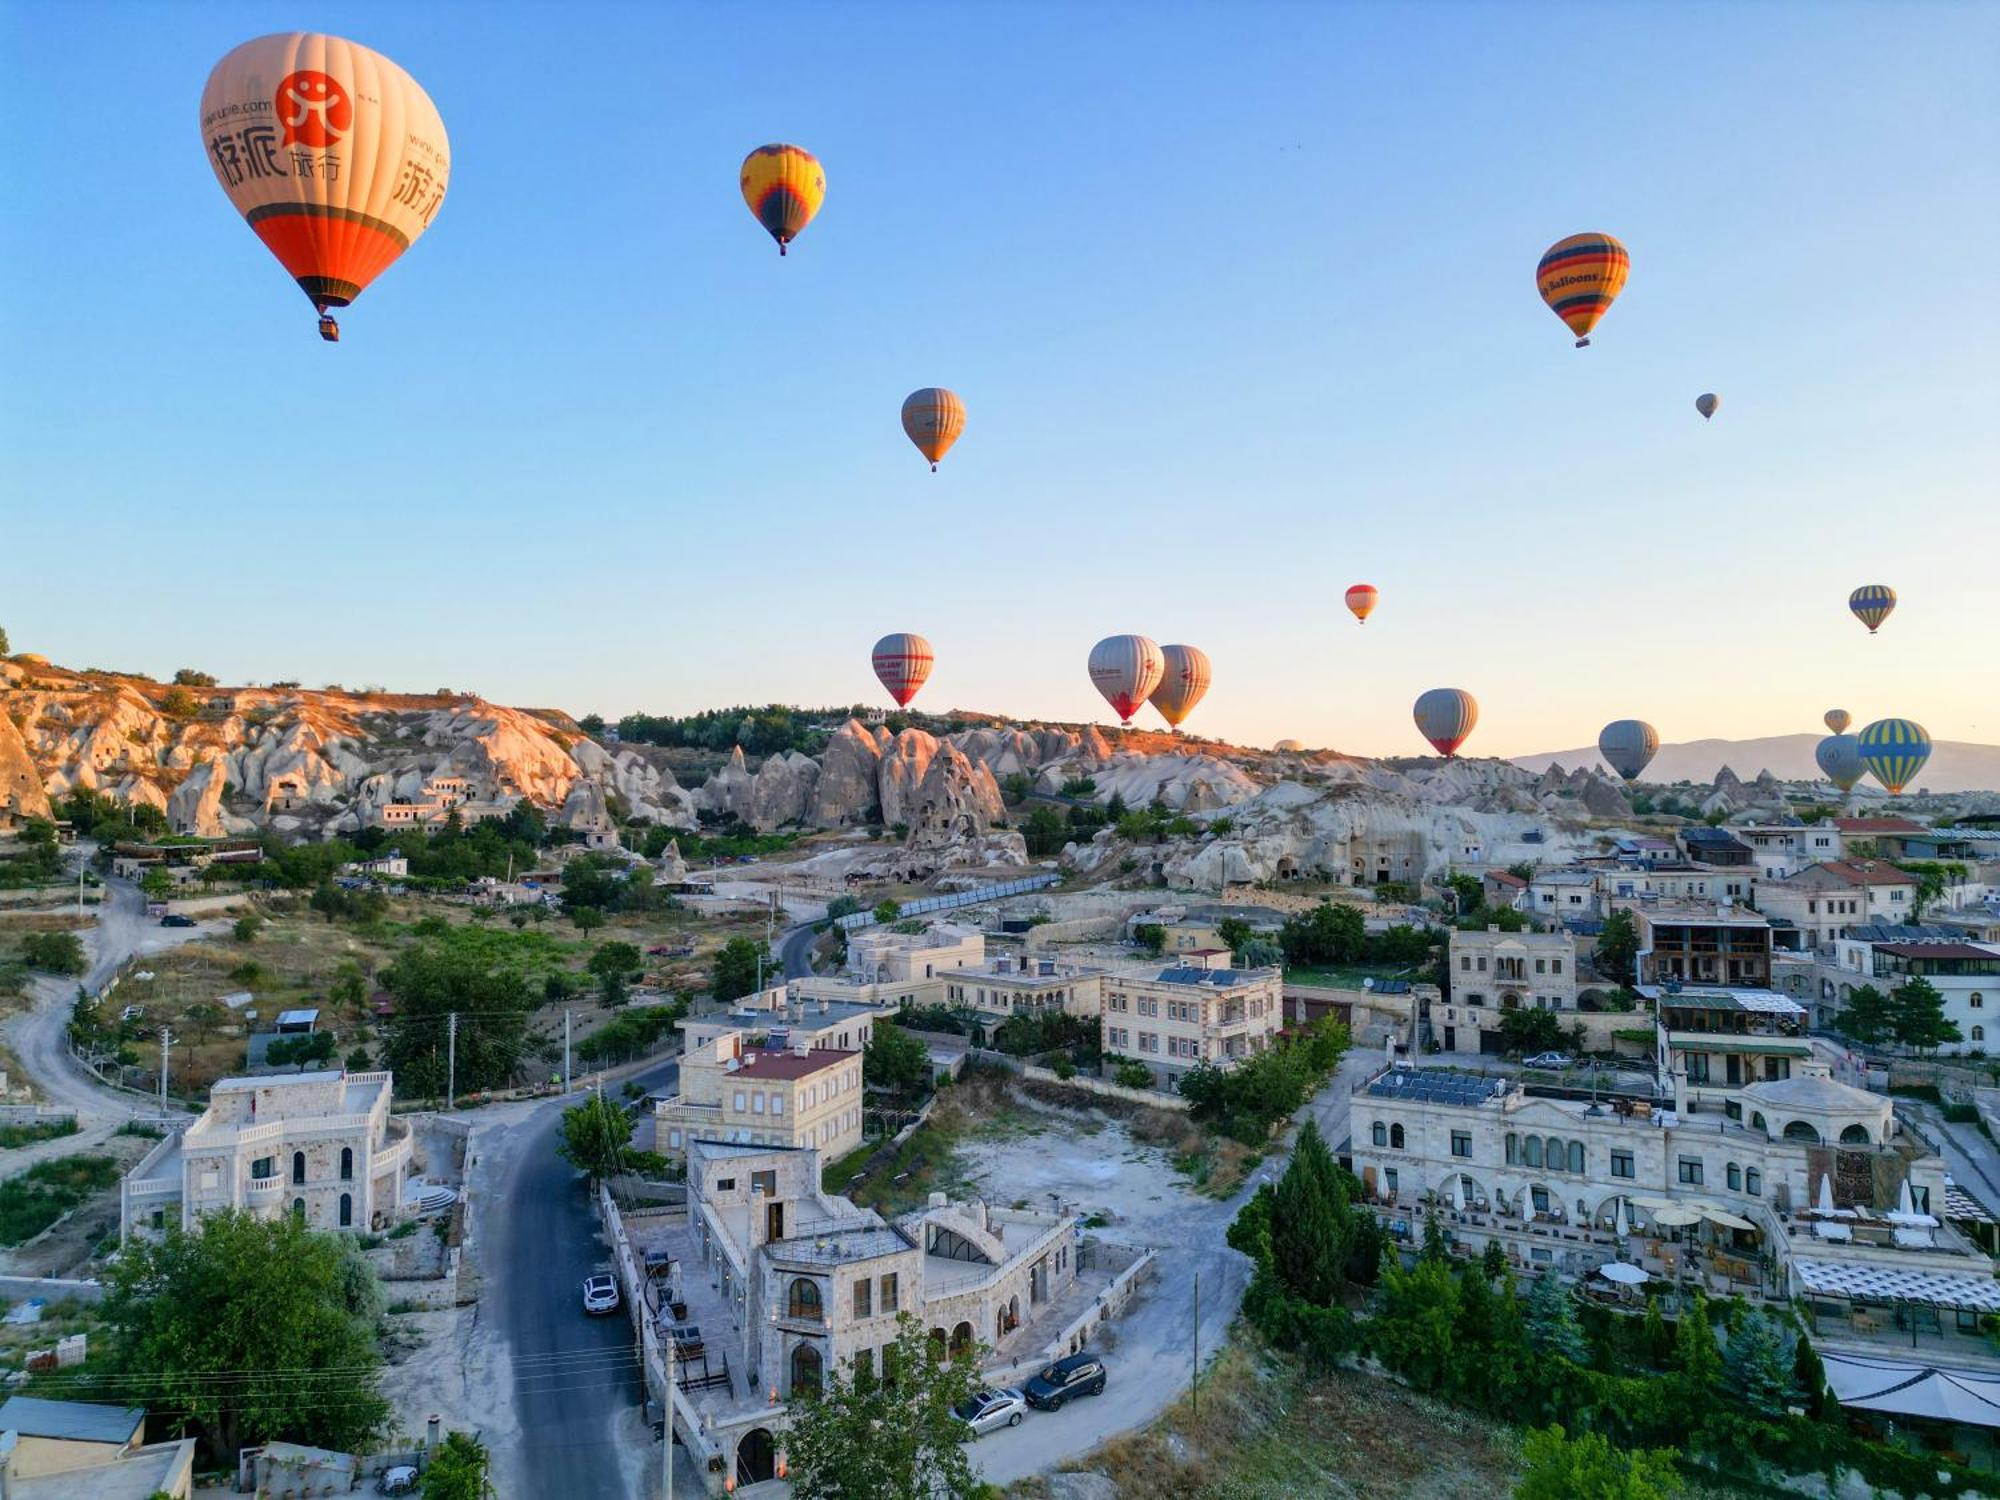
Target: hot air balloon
{"type": "Point", "coordinates": [1126, 669]}
{"type": "Point", "coordinates": [1183, 681]}
{"type": "Point", "coordinates": [1628, 746]}
{"type": "Point", "coordinates": [1290, 746]}
{"type": "Point", "coordinates": [332, 153]}
{"type": "Point", "coordinates": [1839, 757]}
{"type": "Point", "coordinates": [1707, 404]}
{"type": "Point", "coordinates": [1871, 604]}
{"type": "Point", "coordinates": [1837, 719]}
{"type": "Point", "coordinates": [1445, 717]}
{"type": "Point", "coordinates": [1361, 600]}
{"type": "Point", "coordinates": [934, 418]}
{"type": "Point", "coordinates": [903, 664]}
{"type": "Point", "coordinates": [784, 186]}
{"type": "Point", "coordinates": [1578, 278]}
{"type": "Point", "coordinates": [1894, 751]}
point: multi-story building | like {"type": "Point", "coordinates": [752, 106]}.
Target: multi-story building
{"type": "Point", "coordinates": [1783, 849]}
{"type": "Point", "coordinates": [1177, 1018]}
{"type": "Point", "coordinates": [1026, 985]}
{"type": "Point", "coordinates": [1880, 838]}
{"type": "Point", "coordinates": [1965, 975]}
{"type": "Point", "coordinates": [320, 1145]}
{"type": "Point", "coordinates": [1493, 972]}
{"type": "Point", "coordinates": [1718, 848]}
{"type": "Point", "coordinates": [1563, 894]}
{"type": "Point", "coordinates": [1823, 900]}
{"type": "Point", "coordinates": [779, 1020]}
{"type": "Point", "coordinates": [882, 956]}
{"type": "Point", "coordinates": [1709, 1043]}
{"type": "Point", "coordinates": [1192, 928]}
{"type": "Point", "coordinates": [791, 1096]}
{"type": "Point", "coordinates": [1690, 942]}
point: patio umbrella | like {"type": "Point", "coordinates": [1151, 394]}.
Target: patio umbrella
{"type": "Point", "coordinates": [1622, 1225]}
{"type": "Point", "coordinates": [1825, 1204]}
{"type": "Point", "coordinates": [1458, 1194]}
{"type": "Point", "coordinates": [1906, 1202]}
{"type": "Point", "coordinates": [1623, 1274]}
{"type": "Point", "coordinates": [1725, 1219]}
{"type": "Point", "coordinates": [1676, 1218]}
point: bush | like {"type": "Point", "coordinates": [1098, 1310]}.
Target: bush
{"type": "Point", "coordinates": [1133, 1074]}
{"type": "Point", "coordinates": [53, 952]}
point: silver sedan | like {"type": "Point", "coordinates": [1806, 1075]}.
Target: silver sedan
{"type": "Point", "coordinates": [987, 1411]}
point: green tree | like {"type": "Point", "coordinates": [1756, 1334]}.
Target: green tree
{"type": "Point", "coordinates": [889, 1438]}
{"type": "Point", "coordinates": [1470, 893]}
{"type": "Point", "coordinates": [179, 703]}
{"type": "Point", "coordinates": [53, 952]}
{"type": "Point", "coordinates": [1310, 1222]}
{"type": "Point", "coordinates": [156, 884]}
{"type": "Point", "coordinates": [1151, 936]}
{"type": "Point", "coordinates": [1934, 878]}
{"type": "Point", "coordinates": [246, 928]}
{"type": "Point", "coordinates": [1618, 948]}
{"type": "Point", "coordinates": [842, 906]}
{"type": "Point", "coordinates": [1552, 1324]}
{"type": "Point", "coordinates": [431, 981]}
{"type": "Point", "coordinates": [1697, 1361]}
{"type": "Point", "coordinates": [1866, 1015]}
{"type": "Point", "coordinates": [1587, 1467]}
{"type": "Point", "coordinates": [304, 1369]}
{"type": "Point", "coordinates": [592, 724]}
{"type": "Point", "coordinates": [588, 918]}
{"type": "Point", "coordinates": [1917, 1018]}
{"type": "Point", "coordinates": [1414, 1332]}
{"type": "Point", "coordinates": [1017, 786]}
{"type": "Point", "coordinates": [5, 649]}
{"type": "Point", "coordinates": [893, 1059]}
{"type": "Point", "coordinates": [350, 986]}
{"type": "Point", "coordinates": [738, 964]}
{"type": "Point", "coordinates": [887, 911]}
{"type": "Point", "coordinates": [1757, 1366]}
{"type": "Point", "coordinates": [457, 1470]}
{"type": "Point", "coordinates": [595, 1137]}
{"type": "Point", "coordinates": [1493, 1261]}
{"type": "Point", "coordinates": [1132, 1074]}
{"type": "Point", "coordinates": [1045, 831]}
{"type": "Point", "coordinates": [202, 1018]}
{"type": "Point", "coordinates": [1530, 1031]}
{"type": "Point", "coordinates": [1328, 934]}
{"type": "Point", "coordinates": [1233, 932]}
{"type": "Point", "coordinates": [614, 965]}
{"type": "Point", "coordinates": [300, 1051]}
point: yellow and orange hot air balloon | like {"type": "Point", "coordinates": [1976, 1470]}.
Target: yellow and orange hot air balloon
{"type": "Point", "coordinates": [1579, 277]}
{"type": "Point", "coordinates": [333, 154]}
{"type": "Point", "coordinates": [1361, 600]}
{"type": "Point", "coordinates": [784, 186]}
{"type": "Point", "coordinates": [933, 419]}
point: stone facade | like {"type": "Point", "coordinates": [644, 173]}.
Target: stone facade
{"type": "Point", "coordinates": [799, 1095]}
{"type": "Point", "coordinates": [1175, 1019]}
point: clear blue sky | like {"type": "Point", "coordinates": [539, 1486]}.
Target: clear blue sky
{"type": "Point", "coordinates": [1240, 299]}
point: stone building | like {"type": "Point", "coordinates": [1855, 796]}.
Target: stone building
{"type": "Point", "coordinates": [1177, 1018]}
{"type": "Point", "coordinates": [1026, 985]}
{"type": "Point", "coordinates": [1493, 972]}
{"type": "Point", "coordinates": [732, 1091]}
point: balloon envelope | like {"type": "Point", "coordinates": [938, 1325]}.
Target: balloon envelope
{"type": "Point", "coordinates": [1837, 719]}
{"type": "Point", "coordinates": [1707, 403]}
{"type": "Point", "coordinates": [1183, 681]}
{"type": "Point", "coordinates": [1871, 604]}
{"type": "Point", "coordinates": [1445, 717]}
{"type": "Point", "coordinates": [1361, 599]}
{"type": "Point", "coordinates": [1628, 746]}
{"type": "Point", "coordinates": [1839, 757]}
{"type": "Point", "coordinates": [902, 664]}
{"type": "Point", "coordinates": [1894, 750]}
{"type": "Point", "coordinates": [1578, 277]}
{"type": "Point", "coordinates": [1126, 669]}
{"type": "Point", "coordinates": [784, 186]}
{"type": "Point", "coordinates": [332, 153]}
{"type": "Point", "coordinates": [933, 418]}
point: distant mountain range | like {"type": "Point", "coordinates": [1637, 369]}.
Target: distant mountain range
{"type": "Point", "coordinates": [1955, 765]}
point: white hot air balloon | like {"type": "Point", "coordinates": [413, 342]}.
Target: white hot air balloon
{"type": "Point", "coordinates": [1182, 684]}
{"type": "Point", "coordinates": [1126, 669]}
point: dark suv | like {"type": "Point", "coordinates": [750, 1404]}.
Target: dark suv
{"type": "Point", "coordinates": [1079, 1375]}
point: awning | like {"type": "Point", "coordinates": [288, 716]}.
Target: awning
{"type": "Point", "coordinates": [1940, 1288]}
{"type": "Point", "coordinates": [1726, 1220]}
{"type": "Point", "coordinates": [1913, 1390]}
{"type": "Point", "coordinates": [1675, 1218]}
{"type": "Point", "coordinates": [1623, 1274]}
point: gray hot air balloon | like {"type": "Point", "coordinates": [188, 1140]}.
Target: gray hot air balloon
{"type": "Point", "coordinates": [1839, 757]}
{"type": "Point", "coordinates": [1706, 404]}
{"type": "Point", "coordinates": [1628, 745]}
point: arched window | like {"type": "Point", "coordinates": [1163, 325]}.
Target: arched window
{"type": "Point", "coordinates": [347, 1164]}
{"type": "Point", "coordinates": [1753, 1183]}
{"type": "Point", "coordinates": [1552, 1154]}
{"type": "Point", "coordinates": [346, 1210]}
{"type": "Point", "coordinates": [1531, 1151]}
{"type": "Point", "coordinates": [1735, 1175]}
{"type": "Point", "coordinates": [1979, 1033]}
{"type": "Point", "coordinates": [1976, 1000]}
{"type": "Point", "coordinates": [961, 1338]}
{"type": "Point", "coordinates": [1801, 1130]}
{"type": "Point", "coordinates": [1757, 1122]}
{"type": "Point", "coordinates": [1576, 1157]}
{"type": "Point", "coordinates": [803, 1301]}
{"type": "Point", "coordinates": [1854, 1135]}
{"type": "Point", "coordinates": [806, 1369]}
{"type": "Point", "coordinates": [1380, 1134]}
{"type": "Point", "coordinates": [298, 1166]}
{"type": "Point", "coordinates": [299, 1209]}
{"type": "Point", "coordinates": [1396, 1137]}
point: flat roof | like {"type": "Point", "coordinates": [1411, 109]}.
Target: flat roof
{"type": "Point", "coordinates": [1221, 979]}
{"type": "Point", "coordinates": [1938, 950]}
{"type": "Point", "coordinates": [78, 1421]}
{"type": "Point", "coordinates": [281, 1080]}
{"type": "Point", "coordinates": [1868, 1279]}
{"type": "Point", "coordinates": [1757, 1002]}
{"type": "Point", "coordinates": [789, 1065]}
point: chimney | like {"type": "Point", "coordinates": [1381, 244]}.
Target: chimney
{"type": "Point", "coordinates": [433, 1425]}
{"type": "Point", "coordinates": [801, 1048]}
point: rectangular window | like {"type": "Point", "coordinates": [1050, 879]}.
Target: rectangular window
{"type": "Point", "coordinates": [725, 1185]}
{"type": "Point", "coordinates": [756, 1104]}
{"type": "Point", "coordinates": [263, 1169]}
{"type": "Point", "coordinates": [674, 1138]}
{"type": "Point", "coordinates": [1690, 1170]}
{"type": "Point", "coordinates": [1465, 962]}
{"type": "Point", "coordinates": [1734, 1174]}
{"type": "Point", "coordinates": [1555, 966]}
{"type": "Point", "coordinates": [1461, 1143]}
{"type": "Point", "coordinates": [739, 1101]}
{"type": "Point", "coordinates": [777, 1104]}
{"type": "Point", "coordinates": [889, 1303]}
{"type": "Point", "coordinates": [864, 1368]}
{"type": "Point", "coordinates": [864, 1298]}
{"type": "Point", "coordinates": [1621, 1164]}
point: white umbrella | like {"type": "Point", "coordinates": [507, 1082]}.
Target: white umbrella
{"type": "Point", "coordinates": [1906, 1202]}
{"type": "Point", "coordinates": [1676, 1218]}
{"type": "Point", "coordinates": [1623, 1274]}
{"type": "Point", "coordinates": [1825, 1204]}
{"type": "Point", "coordinates": [1458, 1194]}
{"type": "Point", "coordinates": [1621, 1226]}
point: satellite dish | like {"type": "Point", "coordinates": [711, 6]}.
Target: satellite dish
{"type": "Point", "coordinates": [1368, 984]}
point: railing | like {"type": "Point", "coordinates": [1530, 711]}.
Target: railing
{"type": "Point", "coordinates": [259, 1189]}
{"type": "Point", "coordinates": [165, 1187]}
{"type": "Point", "coordinates": [955, 899]}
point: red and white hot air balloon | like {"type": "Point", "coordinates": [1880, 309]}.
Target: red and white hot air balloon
{"type": "Point", "coordinates": [903, 663]}
{"type": "Point", "coordinates": [1361, 600]}
{"type": "Point", "coordinates": [1126, 669]}
{"type": "Point", "coordinates": [1182, 684]}
{"type": "Point", "coordinates": [1445, 717]}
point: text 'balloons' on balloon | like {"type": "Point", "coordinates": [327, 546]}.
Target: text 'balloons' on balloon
{"type": "Point", "coordinates": [1839, 759]}
{"type": "Point", "coordinates": [1708, 403]}
{"type": "Point", "coordinates": [1894, 751]}
{"type": "Point", "coordinates": [933, 419]}
{"type": "Point", "coordinates": [1579, 277]}
{"type": "Point", "coordinates": [1871, 604]}
{"type": "Point", "coordinates": [1126, 669]}
{"type": "Point", "coordinates": [1446, 717]}
{"type": "Point", "coordinates": [784, 186]}
{"type": "Point", "coordinates": [902, 665]}
{"type": "Point", "coordinates": [1361, 600]}
{"type": "Point", "coordinates": [1183, 682]}
{"type": "Point", "coordinates": [1628, 746]}
{"type": "Point", "coordinates": [331, 152]}
{"type": "Point", "coordinates": [1837, 720]}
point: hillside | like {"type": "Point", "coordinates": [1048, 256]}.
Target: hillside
{"type": "Point", "coordinates": [1955, 766]}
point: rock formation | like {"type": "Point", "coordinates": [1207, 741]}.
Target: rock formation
{"type": "Point", "coordinates": [21, 792]}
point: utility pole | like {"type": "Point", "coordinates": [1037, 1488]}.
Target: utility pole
{"type": "Point", "coordinates": [451, 1061]}
{"type": "Point", "coordinates": [566, 1016]}
{"type": "Point", "coordinates": [1197, 1344]}
{"type": "Point", "coordinates": [166, 1041]}
{"type": "Point", "coordinates": [667, 1445]}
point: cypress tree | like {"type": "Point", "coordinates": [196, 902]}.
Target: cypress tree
{"type": "Point", "coordinates": [1310, 1229]}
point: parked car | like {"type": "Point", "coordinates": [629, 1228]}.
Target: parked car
{"type": "Point", "coordinates": [1553, 1061]}
{"type": "Point", "coordinates": [1079, 1375]}
{"type": "Point", "coordinates": [175, 919]}
{"type": "Point", "coordinates": [600, 1295]}
{"type": "Point", "coordinates": [987, 1411]}
{"type": "Point", "coordinates": [399, 1480]}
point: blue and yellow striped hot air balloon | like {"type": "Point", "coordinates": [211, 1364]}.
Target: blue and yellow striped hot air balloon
{"type": "Point", "coordinates": [784, 186]}
{"type": "Point", "coordinates": [1578, 277]}
{"type": "Point", "coordinates": [1871, 604]}
{"type": "Point", "coordinates": [1894, 751]}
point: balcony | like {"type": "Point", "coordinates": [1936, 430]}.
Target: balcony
{"type": "Point", "coordinates": [261, 1191]}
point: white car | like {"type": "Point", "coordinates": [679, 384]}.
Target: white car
{"type": "Point", "coordinates": [1554, 1061]}
{"type": "Point", "coordinates": [988, 1411]}
{"type": "Point", "coordinates": [600, 1295]}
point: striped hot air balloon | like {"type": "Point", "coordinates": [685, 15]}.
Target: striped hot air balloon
{"type": "Point", "coordinates": [1578, 278]}
{"type": "Point", "coordinates": [1126, 669]}
{"type": "Point", "coordinates": [933, 418]}
{"type": "Point", "coordinates": [1871, 604]}
{"type": "Point", "coordinates": [903, 664]}
{"type": "Point", "coordinates": [1628, 746]}
{"type": "Point", "coordinates": [1894, 751]}
{"type": "Point", "coordinates": [332, 154]}
{"type": "Point", "coordinates": [784, 186]}
{"type": "Point", "coordinates": [1839, 757]}
{"type": "Point", "coordinates": [1837, 720]}
{"type": "Point", "coordinates": [1445, 717]}
{"type": "Point", "coordinates": [1361, 601]}
{"type": "Point", "coordinates": [1183, 682]}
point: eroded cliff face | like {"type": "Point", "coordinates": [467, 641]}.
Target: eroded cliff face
{"type": "Point", "coordinates": [21, 792]}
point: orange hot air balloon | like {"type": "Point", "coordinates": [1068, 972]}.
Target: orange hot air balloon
{"type": "Point", "coordinates": [1578, 277]}
{"type": "Point", "coordinates": [1361, 600]}
{"type": "Point", "coordinates": [784, 186]}
{"type": "Point", "coordinates": [332, 153]}
{"type": "Point", "coordinates": [934, 419]}
{"type": "Point", "coordinates": [1184, 679]}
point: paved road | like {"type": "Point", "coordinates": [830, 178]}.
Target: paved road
{"type": "Point", "coordinates": [795, 948]}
